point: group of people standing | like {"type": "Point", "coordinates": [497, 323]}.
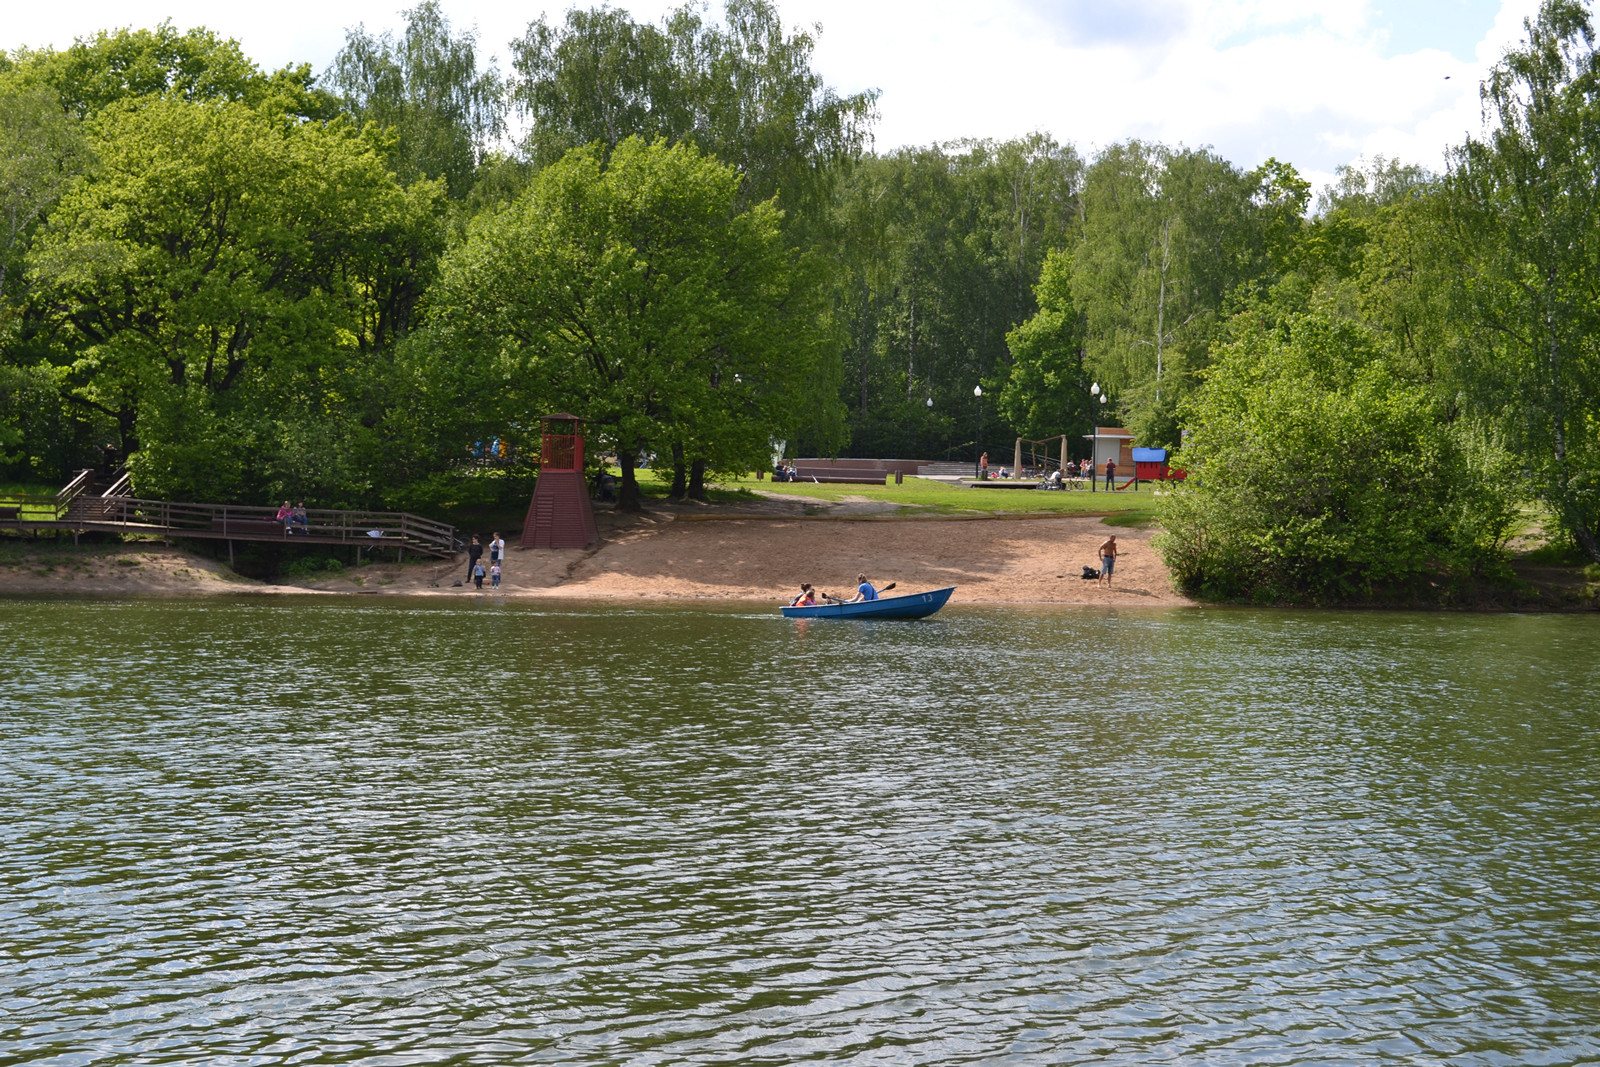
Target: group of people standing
{"type": "Point", "coordinates": [476, 571]}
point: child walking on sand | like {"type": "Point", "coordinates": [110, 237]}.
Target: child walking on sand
{"type": "Point", "coordinates": [494, 576]}
{"type": "Point", "coordinates": [477, 574]}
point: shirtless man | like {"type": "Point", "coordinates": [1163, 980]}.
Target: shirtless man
{"type": "Point", "coordinates": [1108, 558]}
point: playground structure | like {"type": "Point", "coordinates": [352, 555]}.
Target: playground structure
{"type": "Point", "coordinates": [1035, 468]}
{"type": "Point", "coordinates": [1150, 465]}
{"type": "Point", "coordinates": [77, 508]}
{"type": "Point", "coordinates": [560, 514]}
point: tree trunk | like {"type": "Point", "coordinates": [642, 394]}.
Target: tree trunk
{"type": "Point", "coordinates": [697, 481]}
{"type": "Point", "coordinates": [678, 488]}
{"type": "Point", "coordinates": [1586, 539]}
{"type": "Point", "coordinates": [628, 497]}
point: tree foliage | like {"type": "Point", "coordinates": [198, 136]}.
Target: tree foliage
{"type": "Point", "coordinates": [1168, 234]}
{"type": "Point", "coordinates": [222, 282]}
{"type": "Point", "coordinates": [635, 291]}
{"type": "Point", "coordinates": [1047, 392]}
{"type": "Point", "coordinates": [1524, 208]}
{"type": "Point", "coordinates": [1318, 473]}
{"type": "Point", "coordinates": [116, 65]}
{"type": "Point", "coordinates": [940, 249]}
{"type": "Point", "coordinates": [427, 87]}
{"type": "Point", "coordinates": [742, 90]}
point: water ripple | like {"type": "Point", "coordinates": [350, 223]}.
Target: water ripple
{"type": "Point", "coordinates": [303, 832]}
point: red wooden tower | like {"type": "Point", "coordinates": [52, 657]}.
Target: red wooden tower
{"type": "Point", "coordinates": [560, 515]}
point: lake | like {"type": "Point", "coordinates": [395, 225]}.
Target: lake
{"type": "Point", "coordinates": [319, 830]}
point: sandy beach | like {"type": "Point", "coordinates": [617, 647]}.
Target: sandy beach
{"type": "Point", "coordinates": [754, 552]}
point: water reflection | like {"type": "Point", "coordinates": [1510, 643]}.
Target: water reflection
{"type": "Point", "coordinates": [369, 831]}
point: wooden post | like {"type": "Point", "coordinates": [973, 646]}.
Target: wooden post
{"type": "Point", "coordinates": [230, 549]}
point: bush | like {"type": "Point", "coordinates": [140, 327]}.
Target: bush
{"type": "Point", "coordinates": [1318, 474]}
{"type": "Point", "coordinates": [312, 566]}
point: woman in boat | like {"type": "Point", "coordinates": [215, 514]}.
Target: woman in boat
{"type": "Point", "coordinates": [806, 598]}
{"type": "Point", "coordinates": [864, 590]}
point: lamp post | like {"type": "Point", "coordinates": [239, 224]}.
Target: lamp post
{"type": "Point", "coordinates": [1094, 443]}
{"type": "Point", "coordinates": [977, 438]}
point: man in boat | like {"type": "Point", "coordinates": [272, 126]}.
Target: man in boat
{"type": "Point", "coordinates": [864, 591]}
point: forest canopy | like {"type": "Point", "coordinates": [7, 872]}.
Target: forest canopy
{"type": "Point", "coordinates": [364, 285]}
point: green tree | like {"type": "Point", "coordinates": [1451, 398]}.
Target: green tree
{"type": "Point", "coordinates": [226, 284]}
{"type": "Point", "coordinates": [1168, 234]}
{"type": "Point", "coordinates": [940, 250]}
{"type": "Point", "coordinates": [635, 293]}
{"type": "Point", "coordinates": [1317, 473]}
{"type": "Point", "coordinates": [426, 86]}
{"type": "Point", "coordinates": [195, 65]}
{"type": "Point", "coordinates": [42, 150]}
{"type": "Point", "coordinates": [1047, 392]}
{"type": "Point", "coordinates": [743, 90]}
{"type": "Point", "coordinates": [1524, 209]}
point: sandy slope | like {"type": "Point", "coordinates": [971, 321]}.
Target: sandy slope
{"type": "Point", "coordinates": [760, 552]}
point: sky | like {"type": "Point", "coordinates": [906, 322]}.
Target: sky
{"type": "Point", "coordinates": [1316, 83]}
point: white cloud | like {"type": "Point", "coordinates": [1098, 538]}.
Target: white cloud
{"type": "Point", "coordinates": [1309, 81]}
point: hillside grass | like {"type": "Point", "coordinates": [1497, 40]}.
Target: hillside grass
{"type": "Point", "coordinates": [13, 493]}
{"type": "Point", "coordinates": [923, 496]}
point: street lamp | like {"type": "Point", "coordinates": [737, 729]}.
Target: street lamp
{"type": "Point", "coordinates": [1094, 439]}
{"type": "Point", "coordinates": [977, 438]}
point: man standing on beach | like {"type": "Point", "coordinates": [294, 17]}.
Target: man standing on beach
{"type": "Point", "coordinates": [1108, 557]}
{"type": "Point", "coordinates": [474, 553]}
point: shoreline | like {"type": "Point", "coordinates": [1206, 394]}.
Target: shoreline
{"type": "Point", "coordinates": [748, 555]}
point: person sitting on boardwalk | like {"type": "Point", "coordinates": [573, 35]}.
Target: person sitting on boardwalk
{"type": "Point", "coordinates": [864, 591]}
{"type": "Point", "coordinates": [286, 516]}
{"type": "Point", "coordinates": [806, 598]}
{"type": "Point", "coordinates": [299, 518]}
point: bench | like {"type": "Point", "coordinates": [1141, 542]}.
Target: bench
{"type": "Point", "coordinates": [851, 475]}
{"type": "Point", "coordinates": [996, 483]}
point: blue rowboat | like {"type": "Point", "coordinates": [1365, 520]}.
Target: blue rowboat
{"type": "Point", "coordinates": [909, 606]}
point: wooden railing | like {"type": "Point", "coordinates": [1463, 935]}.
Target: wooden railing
{"type": "Point", "coordinates": [77, 508]}
{"type": "Point", "coordinates": [384, 529]}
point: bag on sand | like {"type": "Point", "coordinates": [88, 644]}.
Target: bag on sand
{"type": "Point", "coordinates": [1090, 574]}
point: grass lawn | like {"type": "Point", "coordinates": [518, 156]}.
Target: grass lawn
{"type": "Point", "coordinates": [921, 496]}
{"type": "Point", "coordinates": [11, 494]}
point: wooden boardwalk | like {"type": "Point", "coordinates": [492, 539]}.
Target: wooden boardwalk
{"type": "Point", "coordinates": [79, 509]}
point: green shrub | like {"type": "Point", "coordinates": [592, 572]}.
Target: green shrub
{"type": "Point", "coordinates": [1318, 474]}
{"type": "Point", "coordinates": [312, 566]}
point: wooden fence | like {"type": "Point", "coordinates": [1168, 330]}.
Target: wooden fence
{"type": "Point", "coordinates": [78, 509]}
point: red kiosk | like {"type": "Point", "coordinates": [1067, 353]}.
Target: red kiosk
{"type": "Point", "coordinates": [560, 515]}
